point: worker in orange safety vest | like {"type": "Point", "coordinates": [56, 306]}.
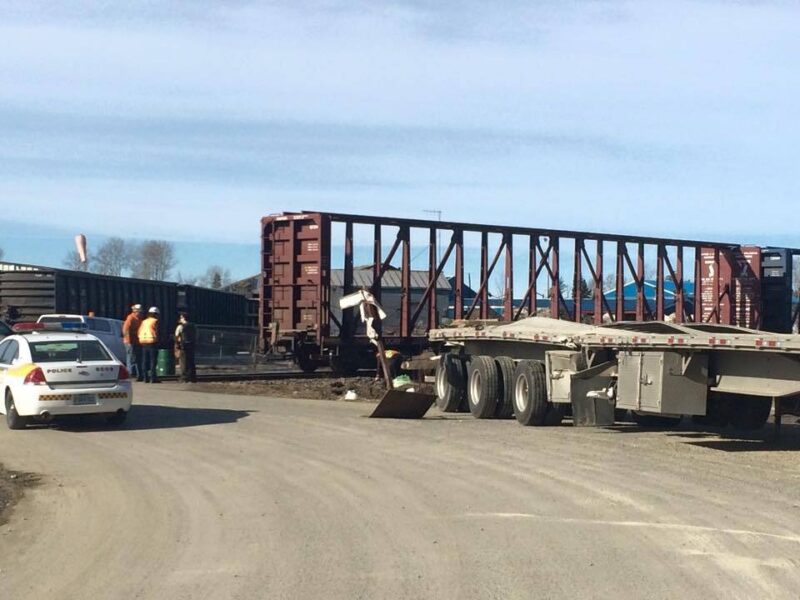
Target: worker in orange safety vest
{"type": "Point", "coordinates": [148, 338]}
{"type": "Point", "coordinates": [130, 337]}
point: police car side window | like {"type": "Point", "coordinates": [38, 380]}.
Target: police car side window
{"type": "Point", "coordinates": [10, 353]}
{"type": "Point", "coordinates": [98, 324]}
{"type": "Point", "coordinates": [3, 347]}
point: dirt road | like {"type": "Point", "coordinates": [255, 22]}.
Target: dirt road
{"type": "Point", "coordinates": [212, 496]}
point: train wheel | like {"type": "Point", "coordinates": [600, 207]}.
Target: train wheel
{"type": "Point", "coordinates": [484, 386]}
{"type": "Point", "coordinates": [530, 393]}
{"type": "Point", "coordinates": [505, 404]}
{"type": "Point", "coordinates": [451, 383]}
{"type": "Point", "coordinates": [748, 413]}
{"type": "Point", "coordinates": [304, 362]}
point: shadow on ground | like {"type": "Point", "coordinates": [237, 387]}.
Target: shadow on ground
{"type": "Point", "coordinates": [154, 416]}
{"type": "Point", "coordinates": [762, 440]}
{"type": "Point", "coordinates": [723, 438]}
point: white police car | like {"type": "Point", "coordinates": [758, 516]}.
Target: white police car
{"type": "Point", "coordinates": [56, 370]}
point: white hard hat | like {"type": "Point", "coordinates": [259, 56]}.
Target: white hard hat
{"type": "Point", "coordinates": [153, 310]}
{"type": "Point", "coordinates": [137, 307]}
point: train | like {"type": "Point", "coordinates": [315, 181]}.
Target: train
{"type": "Point", "coordinates": [36, 290]}
{"type": "Point", "coordinates": [428, 273]}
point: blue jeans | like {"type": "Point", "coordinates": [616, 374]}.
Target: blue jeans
{"type": "Point", "coordinates": [150, 352]}
{"type": "Point", "coordinates": [133, 356]}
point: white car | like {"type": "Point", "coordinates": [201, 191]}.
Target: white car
{"type": "Point", "coordinates": [108, 331]}
{"type": "Point", "coordinates": [46, 373]}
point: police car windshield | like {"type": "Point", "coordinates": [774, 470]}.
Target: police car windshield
{"type": "Point", "coordinates": [68, 351]}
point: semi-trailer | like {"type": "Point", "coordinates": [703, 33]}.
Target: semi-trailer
{"type": "Point", "coordinates": [541, 369]}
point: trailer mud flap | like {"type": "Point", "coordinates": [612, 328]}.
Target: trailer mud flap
{"type": "Point", "coordinates": [592, 412]}
{"type": "Point", "coordinates": [398, 404]}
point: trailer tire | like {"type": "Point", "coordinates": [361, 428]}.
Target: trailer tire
{"type": "Point", "coordinates": [484, 386]}
{"type": "Point", "coordinates": [748, 413]}
{"type": "Point", "coordinates": [451, 383]}
{"type": "Point", "coordinates": [505, 403]}
{"type": "Point", "coordinates": [530, 393]}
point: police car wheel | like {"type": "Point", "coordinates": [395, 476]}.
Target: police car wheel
{"type": "Point", "coordinates": [13, 419]}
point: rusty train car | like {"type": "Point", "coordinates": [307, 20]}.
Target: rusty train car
{"type": "Point", "coordinates": [309, 258]}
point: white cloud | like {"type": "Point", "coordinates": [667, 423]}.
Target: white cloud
{"type": "Point", "coordinates": [548, 110]}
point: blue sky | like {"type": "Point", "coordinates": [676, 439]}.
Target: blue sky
{"type": "Point", "coordinates": [665, 118]}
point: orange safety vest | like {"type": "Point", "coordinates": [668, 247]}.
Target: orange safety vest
{"type": "Point", "coordinates": [130, 329]}
{"type": "Point", "coordinates": [148, 331]}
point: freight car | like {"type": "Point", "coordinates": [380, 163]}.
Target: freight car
{"type": "Point", "coordinates": [307, 258]}
{"type": "Point", "coordinates": [540, 368]}
{"type": "Point", "coordinates": [35, 290]}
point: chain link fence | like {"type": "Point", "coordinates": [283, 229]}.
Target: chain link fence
{"type": "Point", "coordinates": [226, 346]}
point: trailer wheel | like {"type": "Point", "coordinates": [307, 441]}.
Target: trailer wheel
{"type": "Point", "coordinates": [748, 413]}
{"type": "Point", "coordinates": [530, 393]}
{"type": "Point", "coordinates": [484, 386]}
{"type": "Point", "coordinates": [451, 383]}
{"type": "Point", "coordinates": [505, 403]}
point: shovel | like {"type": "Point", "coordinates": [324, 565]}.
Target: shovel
{"type": "Point", "coordinates": [398, 403]}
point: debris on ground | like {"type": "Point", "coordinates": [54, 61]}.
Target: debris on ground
{"type": "Point", "coordinates": [366, 388]}
{"type": "Point", "coordinates": [336, 388]}
{"type": "Point", "coordinates": [12, 488]}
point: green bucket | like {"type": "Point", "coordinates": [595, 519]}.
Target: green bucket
{"type": "Point", "coordinates": [165, 365]}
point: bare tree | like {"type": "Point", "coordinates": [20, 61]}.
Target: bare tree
{"type": "Point", "coordinates": [1, 254]}
{"type": "Point", "coordinates": [73, 262]}
{"type": "Point", "coordinates": [215, 277]}
{"type": "Point", "coordinates": [153, 259]}
{"type": "Point", "coordinates": [113, 257]}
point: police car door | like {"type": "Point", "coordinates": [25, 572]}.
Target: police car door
{"type": "Point", "coordinates": [8, 351]}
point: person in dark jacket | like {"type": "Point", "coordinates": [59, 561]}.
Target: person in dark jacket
{"type": "Point", "coordinates": [11, 314]}
{"type": "Point", "coordinates": [185, 343]}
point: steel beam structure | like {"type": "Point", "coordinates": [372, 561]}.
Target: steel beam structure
{"type": "Point", "coordinates": [603, 266]}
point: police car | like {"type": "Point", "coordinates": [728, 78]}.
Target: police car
{"type": "Point", "coordinates": [53, 370]}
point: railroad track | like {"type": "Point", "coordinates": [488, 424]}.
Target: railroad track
{"type": "Point", "coordinates": [263, 376]}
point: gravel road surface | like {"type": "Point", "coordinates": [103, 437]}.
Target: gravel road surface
{"type": "Point", "coordinates": [220, 496]}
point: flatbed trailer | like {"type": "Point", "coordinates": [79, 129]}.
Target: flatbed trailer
{"type": "Point", "coordinates": [540, 369]}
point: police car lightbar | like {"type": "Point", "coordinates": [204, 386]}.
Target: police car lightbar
{"type": "Point", "coordinates": [27, 327]}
